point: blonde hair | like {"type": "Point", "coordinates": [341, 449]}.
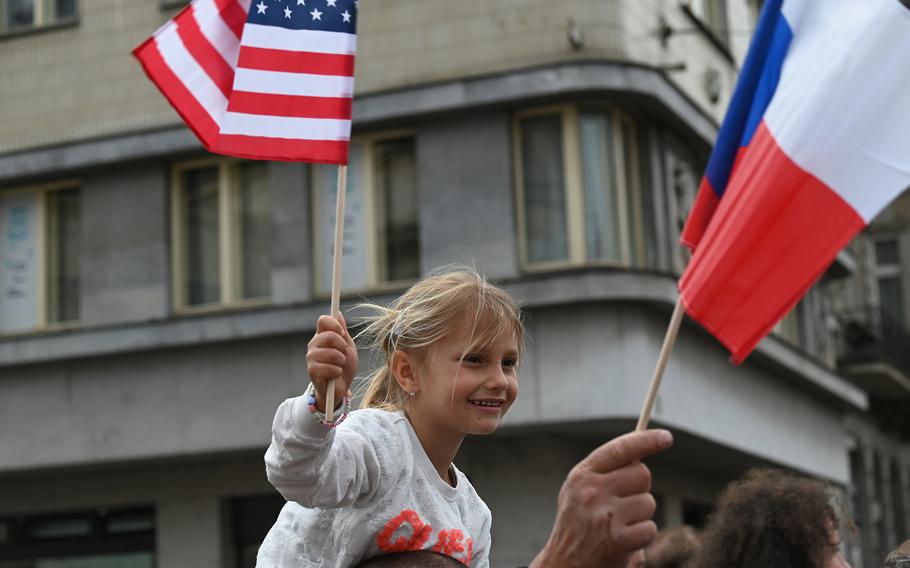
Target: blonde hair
{"type": "Point", "coordinates": [426, 313]}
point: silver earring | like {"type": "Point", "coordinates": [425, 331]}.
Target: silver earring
{"type": "Point", "coordinates": [412, 394]}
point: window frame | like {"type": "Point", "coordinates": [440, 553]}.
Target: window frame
{"type": "Point", "coordinates": [230, 264]}
{"type": "Point", "coordinates": [43, 256]}
{"type": "Point", "coordinates": [372, 203]}
{"type": "Point", "coordinates": [573, 176]}
{"type": "Point", "coordinates": [722, 39]}
{"type": "Point", "coordinates": [894, 269]}
{"type": "Point", "coordinates": [41, 19]}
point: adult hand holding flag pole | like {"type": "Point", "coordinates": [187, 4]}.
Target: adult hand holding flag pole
{"type": "Point", "coordinates": [264, 81]}
{"type": "Point", "coordinates": [815, 143]}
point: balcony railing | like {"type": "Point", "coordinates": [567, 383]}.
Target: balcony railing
{"type": "Point", "coordinates": [872, 336]}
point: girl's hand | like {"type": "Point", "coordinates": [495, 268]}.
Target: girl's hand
{"type": "Point", "coordinates": [331, 354]}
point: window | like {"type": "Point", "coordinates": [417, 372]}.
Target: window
{"type": "Point", "coordinates": [39, 257]}
{"type": "Point", "coordinates": [381, 231]}
{"type": "Point", "coordinates": [577, 173]}
{"type": "Point", "coordinates": [119, 538]}
{"type": "Point", "coordinates": [19, 15]}
{"type": "Point", "coordinates": [712, 15]}
{"type": "Point", "coordinates": [221, 233]}
{"type": "Point", "coordinates": [250, 520]}
{"type": "Point", "coordinates": [890, 285]}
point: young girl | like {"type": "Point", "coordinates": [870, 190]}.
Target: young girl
{"type": "Point", "coordinates": [381, 479]}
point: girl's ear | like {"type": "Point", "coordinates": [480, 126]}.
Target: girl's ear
{"type": "Point", "coordinates": [403, 370]}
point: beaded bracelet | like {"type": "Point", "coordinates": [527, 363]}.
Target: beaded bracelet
{"type": "Point", "coordinates": [320, 416]}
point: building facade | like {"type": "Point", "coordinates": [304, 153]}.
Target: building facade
{"type": "Point", "coordinates": [157, 300]}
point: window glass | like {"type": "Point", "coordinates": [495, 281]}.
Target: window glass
{"type": "Point", "coordinates": [396, 187]}
{"type": "Point", "coordinates": [604, 241]}
{"type": "Point", "coordinates": [886, 252]}
{"type": "Point", "coordinates": [629, 181]}
{"type": "Point", "coordinates": [63, 240]}
{"type": "Point", "coordinates": [199, 193]}
{"type": "Point", "coordinates": [19, 14]}
{"type": "Point", "coordinates": [64, 9]}
{"type": "Point", "coordinates": [543, 174]}
{"type": "Point", "coordinates": [20, 270]}
{"type": "Point", "coordinates": [131, 560]}
{"type": "Point", "coordinates": [252, 227]}
{"type": "Point", "coordinates": [356, 241]}
{"type": "Point", "coordinates": [251, 519]}
{"type": "Point", "coordinates": [891, 300]}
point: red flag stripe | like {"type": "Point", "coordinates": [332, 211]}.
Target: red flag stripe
{"type": "Point", "coordinates": [283, 149]}
{"type": "Point", "coordinates": [775, 232]}
{"type": "Point", "coordinates": [296, 61]}
{"type": "Point", "coordinates": [176, 93]}
{"type": "Point", "coordinates": [233, 15]}
{"type": "Point", "coordinates": [289, 105]}
{"type": "Point", "coordinates": [202, 51]}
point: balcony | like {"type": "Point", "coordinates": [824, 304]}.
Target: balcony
{"type": "Point", "coordinates": [873, 353]}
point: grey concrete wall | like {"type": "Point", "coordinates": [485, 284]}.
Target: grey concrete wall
{"type": "Point", "coordinates": [467, 212]}
{"type": "Point", "coordinates": [590, 361]}
{"type": "Point", "coordinates": [124, 268]}
{"type": "Point", "coordinates": [156, 404]}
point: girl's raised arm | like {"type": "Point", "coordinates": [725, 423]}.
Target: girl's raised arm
{"type": "Point", "coordinates": [329, 468]}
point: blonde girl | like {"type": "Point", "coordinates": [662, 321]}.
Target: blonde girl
{"type": "Point", "coordinates": [381, 479]}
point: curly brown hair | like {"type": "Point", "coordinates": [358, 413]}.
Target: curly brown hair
{"type": "Point", "coordinates": [770, 518]}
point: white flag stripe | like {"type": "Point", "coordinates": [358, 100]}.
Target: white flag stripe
{"type": "Point", "coordinates": [299, 84]}
{"type": "Point", "coordinates": [188, 71]}
{"type": "Point", "coordinates": [849, 128]}
{"type": "Point", "coordinates": [270, 37]}
{"type": "Point", "coordinates": [213, 28]}
{"type": "Point", "coordinates": [285, 127]}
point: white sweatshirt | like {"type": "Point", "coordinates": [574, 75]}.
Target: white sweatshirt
{"type": "Point", "coordinates": [364, 489]}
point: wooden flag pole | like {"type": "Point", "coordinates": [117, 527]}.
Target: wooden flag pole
{"type": "Point", "coordinates": [336, 275]}
{"type": "Point", "coordinates": [669, 340]}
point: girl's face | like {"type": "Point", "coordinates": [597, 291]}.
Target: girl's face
{"type": "Point", "coordinates": [467, 391]}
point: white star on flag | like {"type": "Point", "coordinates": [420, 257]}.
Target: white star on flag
{"type": "Point", "coordinates": [301, 2]}
{"type": "Point", "coordinates": [261, 7]}
{"type": "Point", "coordinates": [331, 2]}
{"type": "Point", "coordinates": [346, 16]}
{"type": "Point", "coordinates": [287, 13]}
{"type": "Point", "coordinates": [317, 15]}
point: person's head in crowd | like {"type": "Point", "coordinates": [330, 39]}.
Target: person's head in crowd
{"type": "Point", "coordinates": [673, 547]}
{"type": "Point", "coordinates": [773, 518]}
{"type": "Point", "coordinates": [900, 557]}
{"type": "Point", "coordinates": [637, 560]}
{"type": "Point", "coordinates": [412, 559]}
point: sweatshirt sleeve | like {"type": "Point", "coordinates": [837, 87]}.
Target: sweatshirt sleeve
{"type": "Point", "coordinates": [481, 555]}
{"type": "Point", "coordinates": [327, 468]}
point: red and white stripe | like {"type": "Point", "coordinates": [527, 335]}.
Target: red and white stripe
{"type": "Point", "coordinates": [831, 152]}
{"type": "Point", "coordinates": [255, 91]}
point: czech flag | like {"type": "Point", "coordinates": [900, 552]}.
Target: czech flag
{"type": "Point", "coordinates": [816, 142]}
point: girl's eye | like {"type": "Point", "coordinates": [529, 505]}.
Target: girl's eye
{"type": "Point", "coordinates": [471, 359]}
{"type": "Point", "coordinates": [509, 362]}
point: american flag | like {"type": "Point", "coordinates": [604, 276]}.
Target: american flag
{"type": "Point", "coordinates": [262, 79]}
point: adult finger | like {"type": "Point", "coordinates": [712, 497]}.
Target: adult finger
{"type": "Point", "coordinates": [631, 479]}
{"type": "Point", "coordinates": [637, 536]}
{"type": "Point", "coordinates": [626, 449]}
{"type": "Point", "coordinates": [635, 509]}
